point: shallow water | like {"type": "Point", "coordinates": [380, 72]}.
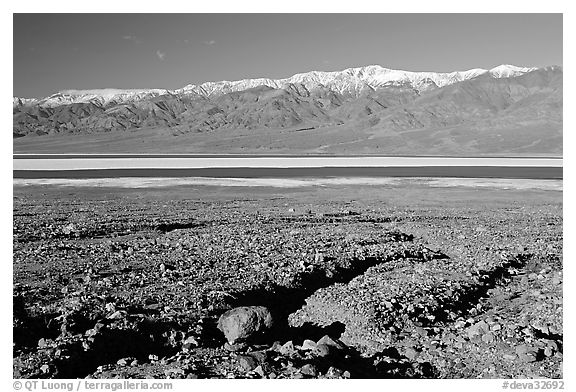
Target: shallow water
{"type": "Point", "coordinates": [151, 182]}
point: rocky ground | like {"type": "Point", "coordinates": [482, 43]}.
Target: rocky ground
{"type": "Point", "coordinates": [133, 284]}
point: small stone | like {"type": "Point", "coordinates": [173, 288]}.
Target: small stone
{"type": "Point", "coordinates": [287, 348]}
{"type": "Point", "coordinates": [308, 345]}
{"type": "Point", "coordinates": [122, 362]}
{"type": "Point", "coordinates": [174, 372]}
{"type": "Point", "coordinates": [45, 368]}
{"type": "Point", "coordinates": [275, 346]}
{"type": "Point", "coordinates": [95, 331]}
{"type": "Point", "coordinates": [527, 332]}
{"type": "Point", "coordinates": [244, 323]}
{"type": "Point", "coordinates": [189, 343]}
{"type": "Point", "coordinates": [411, 353]}
{"type": "Point", "coordinates": [548, 351]}
{"type": "Point", "coordinates": [552, 344]}
{"type": "Point", "coordinates": [42, 343]}
{"type": "Point", "coordinates": [540, 344]}
{"type": "Point", "coordinates": [558, 355]}
{"type": "Point", "coordinates": [117, 315]}
{"type": "Point", "coordinates": [68, 229]}
{"type": "Point", "coordinates": [309, 370]}
{"type": "Point", "coordinates": [330, 342]}
{"type": "Point", "coordinates": [193, 376]}
{"type": "Point", "coordinates": [482, 327]}
{"type": "Point", "coordinates": [488, 337]}
{"type": "Point", "coordinates": [478, 329]}
{"type": "Point", "coordinates": [496, 327]}
{"type": "Point", "coordinates": [322, 350]}
{"type": "Point", "coordinates": [333, 372]}
{"type": "Point", "coordinates": [346, 374]}
{"type": "Point", "coordinates": [460, 324]}
{"type": "Point", "coordinates": [259, 370]}
{"type": "Point", "coordinates": [246, 362]}
{"type": "Point", "coordinates": [544, 329]}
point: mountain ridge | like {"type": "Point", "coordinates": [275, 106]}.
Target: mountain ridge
{"type": "Point", "coordinates": [502, 111]}
{"type": "Point", "coordinates": [349, 80]}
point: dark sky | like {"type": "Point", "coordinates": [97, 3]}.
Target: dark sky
{"type": "Point", "coordinates": [54, 52]}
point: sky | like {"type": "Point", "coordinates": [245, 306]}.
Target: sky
{"type": "Point", "coordinates": [54, 52]}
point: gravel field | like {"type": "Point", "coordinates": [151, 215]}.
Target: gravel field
{"type": "Point", "coordinates": [402, 281]}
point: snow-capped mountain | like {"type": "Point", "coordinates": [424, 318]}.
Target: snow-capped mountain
{"type": "Point", "coordinates": [355, 80]}
{"type": "Point", "coordinates": [23, 101]}
{"type": "Point", "coordinates": [97, 96]}
{"type": "Point", "coordinates": [371, 109]}
{"type": "Point", "coordinates": [508, 71]}
{"type": "Point", "coordinates": [351, 81]}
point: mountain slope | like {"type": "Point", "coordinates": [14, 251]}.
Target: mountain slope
{"type": "Point", "coordinates": [362, 110]}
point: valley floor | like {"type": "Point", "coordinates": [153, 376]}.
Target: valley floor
{"type": "Point", "coordinates": [407, 281]}
{"type": "Point", "coordinates": [323, 140]}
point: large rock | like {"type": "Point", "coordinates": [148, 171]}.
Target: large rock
{"type": "Point", "coordinates": [245, 323]}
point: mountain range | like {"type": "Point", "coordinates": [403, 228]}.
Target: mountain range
{"type": "Point", "coordinates": [506, 110]}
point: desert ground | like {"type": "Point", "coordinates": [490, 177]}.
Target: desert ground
{"type": "Point", "coordinates": [399, 281]}
{"type": "Point", "coordinates": [324, 140]}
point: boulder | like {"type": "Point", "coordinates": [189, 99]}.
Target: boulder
{"type": "Point", "coordinates": [245, 323]}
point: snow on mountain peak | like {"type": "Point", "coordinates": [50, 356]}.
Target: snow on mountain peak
{"type": "Point", "coordinates": [98, 96]}
{"type": "Point", "coordinates": [349, 81]}
{"type": "Point", "coordinates": [507, 70]}
{"type": "Point", "coordinates": [108, 91]}
{"type": "Point", "coordinates": [354, 80]}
